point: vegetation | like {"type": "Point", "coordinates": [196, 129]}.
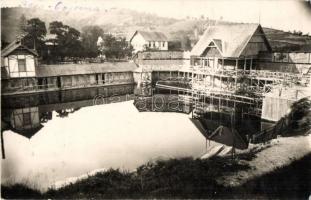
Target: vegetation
{"type": "Point", "coordinates": [179, 178]}
{"type": "Point", "coordinates": [67, 39]}
{"type": "Point", "coordinates": [300, 115]}
{"type": "Point", "coordinates": [34, 30]}
{"type": "Point", "coordinates": [115, 48]}
{"type": "Point", "coordinates": [181, 40]}
{"type": "Point", "coordinates": [90, 35]}
{"type": "Point", "coordinates": [69, 43]}
{"type": "Point", "coordinates": [174, 178]}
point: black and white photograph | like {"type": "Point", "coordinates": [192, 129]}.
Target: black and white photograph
{"type": "Point", "coordinates": [156, 99]}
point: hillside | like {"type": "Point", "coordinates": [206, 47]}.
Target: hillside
{"type": "Point", "coordinates": [124, 22]}
{"type": "Point", "coordinates": [281, 40]}
{"type": "Point", "coordinates": [121, 21]}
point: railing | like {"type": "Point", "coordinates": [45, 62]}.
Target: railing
{"type": "Point", "coordinates": [49, 87]}
{"type": "Point", "coordinates": [270, 133]}
{"type": "Point", "coordinates": [30, 88]}
{"type": "Point", "coordinates": [240, 72]}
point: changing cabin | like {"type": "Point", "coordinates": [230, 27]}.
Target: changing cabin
{"type": "Point", "coordinates": [18, 66]}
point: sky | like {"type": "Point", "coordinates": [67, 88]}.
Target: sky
{"type": "Point", "coordinates": [280, 14]}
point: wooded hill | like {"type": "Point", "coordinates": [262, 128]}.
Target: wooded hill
{"type": "Point", "coordinates": [124, 22]}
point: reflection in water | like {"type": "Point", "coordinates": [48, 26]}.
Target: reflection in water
{"type": "Point", "coordinates": [51, 137]}
{"type": "Point", "coordinates": [26, 114]}
{"type": "Point", "coordinates": [221, 121]}
{"type": "Point", "coordinates": [163, 103]}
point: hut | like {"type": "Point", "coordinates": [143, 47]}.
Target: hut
{"type": "Point", "coordinates": [18, 67]}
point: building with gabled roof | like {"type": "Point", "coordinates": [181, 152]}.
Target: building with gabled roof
{"type": "Point", "coordinates": [143, 40]}
{"type": "Point", "coordinates": [230, 46]}
{"type": "Point", "coordinates": [18, 60]}
{"type": "Point", "coordinates": [233, 41]}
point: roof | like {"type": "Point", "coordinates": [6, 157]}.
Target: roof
{"type": "Point", "coordinates": [230, 39]}
{"type": "Point", "coordinates": [89, 68]}
{"type": "Point", "coordinates": [15, 45]}
{"type": "Point", "coordinates": [28, 133]}
{"type": "Point", "coordinates": [229, 137]}
{"type": "Point", "coordinates": [218, 43]}
{"type": "Point", "coordinates": [151, 36]}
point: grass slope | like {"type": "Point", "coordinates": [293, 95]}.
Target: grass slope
{"type": "Point", "coordinates": [180, 178]}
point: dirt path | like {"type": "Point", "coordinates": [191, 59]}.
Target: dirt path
{"type": "Point", "coordinates": [278, 153]}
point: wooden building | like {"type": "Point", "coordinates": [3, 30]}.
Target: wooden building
{"type": "Point", "coordinates": [24, 121]}
{"type": "Point", "coordinates": [18, 66]}
{"type": "Point", "coordinates": [230, 47]}
{"type": "Point", "coordinates": [143, 40]}
{"type": "Point", "coordinates": [70, 76]}
{"type": "Point", "coordinates": [20, 73]}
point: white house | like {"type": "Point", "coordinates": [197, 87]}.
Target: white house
{"type": "Point", "coordinates": [143, 40]}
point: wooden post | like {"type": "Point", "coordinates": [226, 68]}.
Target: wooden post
{"type": "Point", "coordinates": [236, 64]}
{"type": "Point", "coordinates": [236, 83]}
{"type": "Point", "coordinates": [288, 57]}
{"type": "Point", "coordinates": [251, 64]}
{"type": "Point", "coordinates": [245, 60]}
{"type": "Point", "coordinates": [2, 146]}
{"type": "Point", "coordinates": [214, 63]}
{"type": "Point", "coordinates": [219, 104]}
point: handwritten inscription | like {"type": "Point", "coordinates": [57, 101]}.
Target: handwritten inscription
{"type": "Point", "coordinates": [57, 5]}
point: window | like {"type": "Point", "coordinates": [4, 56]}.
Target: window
{"type": "Point", "coordinates": [163, 44]}
{"type": "Point", "coordinates": [21, 65]}
{"type": "Point", "coordinates": [26, 119]}
{"type": "Point", "coordinates": [149, 44]}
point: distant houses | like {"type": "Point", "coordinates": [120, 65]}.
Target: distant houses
{"type": "Point", "coordinates": [143, 40]}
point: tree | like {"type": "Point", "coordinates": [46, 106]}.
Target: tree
{"type": "Point", "coordinates": [300, 115]}
{"type": "Point", "coordinates": [22, 25]}
{"type": "Point", "coordinates": [90, 35]}
{"type": "Point", "coordinates": [35, 31]}
{"type": "Point", "coordinates": [115, 48]}
{"type": "Point", "coordinates": [182, 36]}
{"type": "Point", "coordinates": [68, 41]}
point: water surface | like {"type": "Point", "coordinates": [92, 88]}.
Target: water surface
{"type": "Point", "coordinates": [102, 136]}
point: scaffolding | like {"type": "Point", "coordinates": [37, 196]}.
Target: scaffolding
{"type": "Point", "coordinates": [212, 82]}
